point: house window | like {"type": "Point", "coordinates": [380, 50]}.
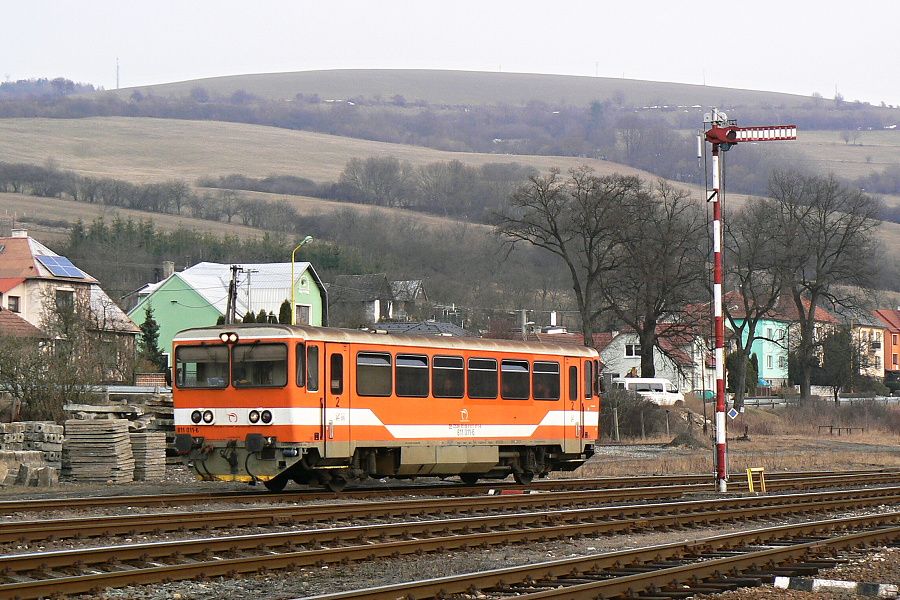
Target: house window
{"type": "Point", "coordinates": [769, 333]}
{"type": "Point", "coordinates": [895, 359]}
{"type": "Point", "coordinates": [65, 299]}
{"type": "Point", "coordinates": [632, 350]}
{"type": "Point", "coordinates": [12, 303]}
{"type": "Point", "coordinates": [769, 361]}
{"type": "Point", "coordinates": [782, 362]}
{"type": "Point", "coordinates": [304, 283]}
{"type": "Point", "coordinates": [894, 339]}
{"type": "Point", "coordinates": [303, 312]}
{"type": "Point", "coordinates": [877, 362]}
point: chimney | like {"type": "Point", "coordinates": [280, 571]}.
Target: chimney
{"type": "Point", "coordinates": [168, 269]}
{"type": "Point", "coordinates": [5, 227]}
{"type": "Point", "coordinates": [552, 318]}
{"type": "Point", "coordinates": [19, 233]}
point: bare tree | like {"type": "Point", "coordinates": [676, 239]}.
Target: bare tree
{"type": "Point", "coordinates": [754, 261]}
{"type": "Point", "coordinates": [660, 266]}
{"type": "Point", "coordinates": [576, 219]}
{"type": "Point", "coordinates": [827, 233]}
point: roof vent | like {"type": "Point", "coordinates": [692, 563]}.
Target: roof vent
{"type": "Point", "coordinates": [20, 233]}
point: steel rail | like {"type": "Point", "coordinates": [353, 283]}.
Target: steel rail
{"type": "Point", "coordinates": [595, 565]}
{"type": "Point", "coordinates": [365, 542]}
{"type": "Point", "coordinates": [444, 489]}
{"type": "Point", "coordinates": [158, 523]}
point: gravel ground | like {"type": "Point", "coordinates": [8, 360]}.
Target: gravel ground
{"type": "Point", "coordinates": [879, 566]}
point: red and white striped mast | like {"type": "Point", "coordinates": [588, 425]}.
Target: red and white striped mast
{"type": "Point", "coordinates": [723, 134]}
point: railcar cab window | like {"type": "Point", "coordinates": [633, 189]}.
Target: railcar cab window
{"type": "Point", "coordinates": [412, 375]}
{"type": "Point", "coordinates": [337, 373]}
{"type": "Point", "coordinates": [514, 379]}
{"type": "Point", "coordinates": [201, 366]}
{"type": "Point", "coordinates": [373, 374]}
{"type": "Point", "coordinates": [259, 365]}
{"type": "Point", "coordinates": [588, 378]}
{"type": "Point", "coordinates": [482, 378]}
{"type": "Point", "coordinates": [545, 380]}
{"type": "Point", "coordinates": [448, 377]}
{"type": "Point", "coordinates": [573, 383]}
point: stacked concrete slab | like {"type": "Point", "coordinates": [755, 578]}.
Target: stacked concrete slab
{"type": "Point", "coordinates": [42, 436]}
{"type": "Point", "coordinates": [149, 450]}
{"type": "Point", "coordinates": [98, 450]}
{"type": "Point", "coordinates": [26, 467]}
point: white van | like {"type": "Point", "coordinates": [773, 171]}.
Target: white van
{"type": "Point", "coordinates": [655, 389]}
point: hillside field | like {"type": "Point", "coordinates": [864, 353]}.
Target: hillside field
{"type": "Point", "coordinates": [143, 150]}
{"type": "Point", "coordinates": [471, 87]}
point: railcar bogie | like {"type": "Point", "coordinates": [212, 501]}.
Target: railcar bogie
{"type": "Point", "coordinates": [326, 406]}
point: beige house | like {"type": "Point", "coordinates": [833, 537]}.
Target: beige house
{"type": "Point", "coordinates": [867, 333]}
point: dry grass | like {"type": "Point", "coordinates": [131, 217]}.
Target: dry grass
{"type": "Point", "coordinates": [143, 150]}
{"type": "Point", "coordinates": [471, 87]}
{"type": "Point", "coordinates": [825, 151]}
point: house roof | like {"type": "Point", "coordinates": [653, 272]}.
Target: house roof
{"type": "Point", "coordinates": [12, 325]}
{"type": "Point", "coordinates": [425, 328]}
{"type": "Point", "coordinates": [859, 317]}
{"type": "Point", "coordinates": [891, 318]}
{"type": "Point", "coordinates": [360, 288]}
{"type": "Point", "coordinates": [600, 340]}
{"type": "Point", "coordinates": [18, 260]}
{"type": "Point", "coordinates": [408, 290]}
{"type": "Point", "coordinates": [784, 310]}
{"type": "Point", "coordinates": [108, 314]}
{"type": "Point", "coordinates": [8, 283]}
{"type": "Point", "coordinates": [260, 286]}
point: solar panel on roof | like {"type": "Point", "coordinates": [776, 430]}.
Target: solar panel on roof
{"type": "Point", "coordinates": [60, 266]}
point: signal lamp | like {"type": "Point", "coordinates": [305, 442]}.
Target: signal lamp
{"type": "Point", "coordinates": [208, 416]}
{"type": "Point", "coordinates": [196, 416]}
{"type": "Point", "coordinates": [228, 337]}
{"type": "Point", "coordinates": [266, 416]}
{"type": "Point", "coordinates": [254, 416]}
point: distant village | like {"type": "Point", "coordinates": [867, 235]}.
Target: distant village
{"type": "Point", "coordinates": [34, 279]}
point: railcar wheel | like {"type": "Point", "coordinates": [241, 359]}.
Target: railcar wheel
{"type": "Point", "coordinates": [469, 478]}
{"type": "Point", "coordinates": [276, 484]}
{"type": "Point", "coordinates": [336, 483]}
{"type": "Point", "coordinates": [524, 478]}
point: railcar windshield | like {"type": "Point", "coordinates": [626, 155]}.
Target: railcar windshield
{"type": "Point", "coordinates": [201, 366]}
{"type": "Point", "coordinates": [259, 365]}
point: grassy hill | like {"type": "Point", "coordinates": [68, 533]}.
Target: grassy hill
{"type": "Point", "coordinates": [144, 150]}
{"type": "Point", "coordinates": [471, 87]}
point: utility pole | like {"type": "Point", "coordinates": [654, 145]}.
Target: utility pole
{"type": "Point", "coordinates": [231, 304]}
{"type": "Point", "coordinates": [723, 133]}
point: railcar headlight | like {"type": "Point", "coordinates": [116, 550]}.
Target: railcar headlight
{"type": "Point", "coordinates": [196, 416]}
{"type": "Point", "coordinates": [254, 416]}
{"type": "Point", "coordinates": [266, 416]}
{"type": "Point", "coordinates": [208, 416]}
{"type": "Point", "coordinates": [228, 337]}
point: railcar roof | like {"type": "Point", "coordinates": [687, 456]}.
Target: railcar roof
{"type": "Point", "coordinates": [353, 336]}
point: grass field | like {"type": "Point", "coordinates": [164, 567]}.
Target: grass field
{"type": "Point", "coordinates": [143, 150]}
{"type": "Point", "coordinates": [825, 151]}
{"type": "Point", "coordinates": [471, 87]}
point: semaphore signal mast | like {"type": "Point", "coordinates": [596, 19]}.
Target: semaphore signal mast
{"type": "Point", "coordinates": [723, 133]}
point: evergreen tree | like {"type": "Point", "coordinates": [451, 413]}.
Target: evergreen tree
{"type": "Point", "coordinates": [148, 342]}
{"type": "Point", "coordinates": [262, 317]}
{"type": "Point", "coordinates": [284, 313]}
{"type": "Point", "coordinates": [220, 320]}
{"type": "Point", "coordinates": [272, 317]}
{"type": "Point", "coordinates": [249, 317]}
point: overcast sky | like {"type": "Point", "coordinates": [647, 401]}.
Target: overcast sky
{"type": "Point", "coordinates": [783, 46]}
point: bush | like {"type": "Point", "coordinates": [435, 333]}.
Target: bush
{"type": "Point", "coordinates": [632, 409]}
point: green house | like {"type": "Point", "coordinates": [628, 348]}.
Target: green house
{"type": "Point", "coordinates": [198, 296]}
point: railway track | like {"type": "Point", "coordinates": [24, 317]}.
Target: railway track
{"type": "Point", "coordinates": [45, 573]}
{"type": "Point", "coordinates": [679, 570]}
{"type": "Point", "coordinates": [287, 516]}
{"type": "Point", "coordinates": [698, 482]}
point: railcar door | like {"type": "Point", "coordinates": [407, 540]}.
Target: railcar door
{"type": "Point", "coordinates": [336, 413]}
{"type": "Point", "coordinates": [574, 403]}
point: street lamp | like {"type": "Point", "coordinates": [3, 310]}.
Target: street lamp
{"type": "Point", "coordinates": [306, 240]}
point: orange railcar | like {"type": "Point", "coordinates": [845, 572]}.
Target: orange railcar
{"type": "Point", "coordinates": [275, 403]}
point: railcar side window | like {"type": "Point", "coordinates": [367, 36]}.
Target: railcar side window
{"type": "Point", "coordinates": [588, 378]}
{"type": "Point", "coordinates": [201, 366]}
{"type": "Point", "coordinates": [312, 368]}
{"type": "Point", "coordinates": [482, 378]}
{"type": "Point", "coordinates": [412, 375]}
{"type": "Point", "coordinates": [573, 383]}
{"type": "Point", "coordinates": [301, 371]}
{"type": "Point", "coordinates": [545, 380]}
{"type": "Point", "coordinates": [259, 365]}
{"type": "Point", "coordinates": [373, 374]}
{"type": "Point", "coordinates": [337, 373]}
{"type": "Point", "coordinates": [447, 377]}
{"type": "Point", "coordinates": [514, 379]}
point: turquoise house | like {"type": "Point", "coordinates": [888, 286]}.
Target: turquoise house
{"type": "Point", "coordinates": [198, 296]}
{"type": "Point", "coordinates": [771, 350]}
